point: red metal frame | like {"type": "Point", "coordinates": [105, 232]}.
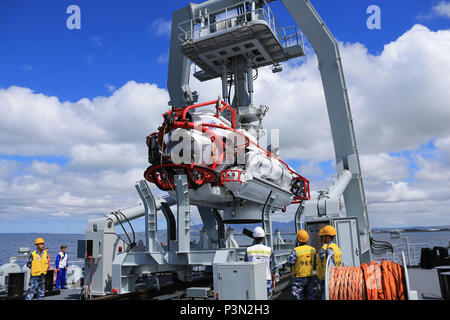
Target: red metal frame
{"type": "Point", "coordinates": [224, 176]}
{"type": "Point", "coordinates": [180, 121]}
{"type": "Point", "coordinates": [157, 174]}
{"type": "Point", "coordinates": [298, 199]}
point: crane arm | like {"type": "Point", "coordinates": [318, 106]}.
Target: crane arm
{"type": "Point", "coordinates": [179, 65]}
{"type": "Point", "coordinates": [338, 106]}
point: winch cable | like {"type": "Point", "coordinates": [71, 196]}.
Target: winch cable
{"type": "Point", "coordinates": [368, 282]}
{"type": "Point", "coordinates": [132, 230]}
{"type": "Point", "coordinates": [231, 84]}
{"type": "Point", "coordinates": [379, 247]}
{"type": "Point", "coordinates": [129, 243]}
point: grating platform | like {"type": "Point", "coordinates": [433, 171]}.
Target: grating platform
{"type": "Point", "coordinates": [255, 35]}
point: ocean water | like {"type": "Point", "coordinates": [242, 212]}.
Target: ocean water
{"type": "Point", "coordinates": [12, 241]}
{"type": "Point", "coordinates": [417, 241]}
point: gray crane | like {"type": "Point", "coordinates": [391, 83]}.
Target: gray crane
{"type": "Point", "coordinates": [228, 40]}
{"type": "Point", "coordinates": [220, 51]}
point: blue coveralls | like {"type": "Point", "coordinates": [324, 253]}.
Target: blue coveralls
{"type": "Point", "coordinates": [61, 275]}
{"type": "Point", "coordinates": [301, 287]}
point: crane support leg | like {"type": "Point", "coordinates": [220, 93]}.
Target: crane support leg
{"type": "Point", "coordinates": [330, 67]}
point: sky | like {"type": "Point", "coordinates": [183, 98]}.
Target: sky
{"type": "Point", "coordinates": [77, 104]}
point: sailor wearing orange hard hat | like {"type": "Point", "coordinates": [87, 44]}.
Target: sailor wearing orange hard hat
{"type": "Point", "coordinates": [38, 264]}
{"type": "Point", "coordinates": [302, 260]}
{"type": "Point", "coordinates": [329, 248]}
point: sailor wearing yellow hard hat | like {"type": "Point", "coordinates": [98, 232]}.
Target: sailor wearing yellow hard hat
{"type": "Point", "coordinates": [302, 260]}
{"type": "Point", "coordinates": [38, 264]}
{"type": "Point", "coordinates": [329, 248]}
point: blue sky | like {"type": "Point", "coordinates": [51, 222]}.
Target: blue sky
{"type": "Point", "coordinates": [122, 41]}
{"type": "Point", "coordinates": [118, 42]}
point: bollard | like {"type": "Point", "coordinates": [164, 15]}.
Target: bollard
{"type": "Point", "coordinates": [440, 271]}
{"type": "Point", "coordinates": [446, 282]}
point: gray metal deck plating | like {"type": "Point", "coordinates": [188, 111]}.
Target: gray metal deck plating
{"type": "Point", "coordinates": [425, 281]}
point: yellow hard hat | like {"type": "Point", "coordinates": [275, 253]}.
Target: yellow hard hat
{"type": "Point", "coordinates": [302, 236]}
{"type": "Point", "coordinates": [327, 231]}
{"type": "Point", "coordinates": [39, 240]}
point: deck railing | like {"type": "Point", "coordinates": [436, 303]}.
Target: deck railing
{"type": "Point", "coordinates": [412, 253]}
{"type": "Point", "coordinates": [235, 16]}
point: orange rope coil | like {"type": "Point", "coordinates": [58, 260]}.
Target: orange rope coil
{"type": "Point", "coordinates": [368, 282]}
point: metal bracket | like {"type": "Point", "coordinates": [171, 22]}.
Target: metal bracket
{"type": "Point", "coordinates": [298, 217]}
{"type": "Point", "coordinates": [267, 220]}
{"type": "Point", "coordinates": [151, 242]}
{"type": "Point", "coordinates": [183, 213]}
{"type": "Point", "coordinates": [171, 226]}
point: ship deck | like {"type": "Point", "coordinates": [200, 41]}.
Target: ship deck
{"type": "Point", "coordinates": [424, 281]}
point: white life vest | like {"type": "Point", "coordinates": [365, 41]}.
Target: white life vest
{"type": "Point", "coordinates": [258, 253]}
{"type": "Point", "coordinates": [62, 260]}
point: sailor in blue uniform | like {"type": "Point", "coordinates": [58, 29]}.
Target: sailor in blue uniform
{"type": "Point", "coordinates": [61, 268]}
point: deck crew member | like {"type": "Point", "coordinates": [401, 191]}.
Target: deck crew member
{"type": "Point", "coordinates": [61, 268]}
{"type": "Point", "coordinates": [260, 252]}
{"type": "Point", "coordinates": [302, 260]}
{"type": "Point", "coordinates": [38, 264]}
{"type": "Point", "coordinates": [330, 248]}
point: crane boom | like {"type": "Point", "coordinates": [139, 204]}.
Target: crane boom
{"type": "Point", "coordinates": [338, 106]}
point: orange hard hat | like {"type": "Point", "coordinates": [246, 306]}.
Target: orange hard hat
{"type": "Point", "coordinates": [302, 236]}
{"type": "Point", "coordinates": [327, 231]}
{"type": "Point", "coordinates": [38, 241]}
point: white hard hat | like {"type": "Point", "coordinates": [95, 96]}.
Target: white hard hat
{"type": "Point", "coordinates": [258, 232]}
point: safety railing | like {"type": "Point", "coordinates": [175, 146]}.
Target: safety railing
{"type": "Point", "coordinates": [412, 253]}
{"type": "Point", "coordinates": [231, 17]}
{"type": "Point", "coordinates": [412, 250]}
{"type": "Point", "coordinates": [77, 262]}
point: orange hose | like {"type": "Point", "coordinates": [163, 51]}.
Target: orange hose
{"type": "Point", "coordinates": [368, 282]}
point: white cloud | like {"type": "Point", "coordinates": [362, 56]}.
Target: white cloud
{"type": "Point", "coordinates": [43, 168]}
{"type": "Point", "coordinates": [110, 87]}
{"type": "Point", "coordinates": [164, 57]}
{"type": "Point", "coordinates": [442, 9]}
{"type": "Point", "coordinates": [96, 40]}
{"type": "Point", "coordinates": [100, 156]}
{"type": "Point", "coordinates": [61, 214]}
{"type": "Point", "coordinates": [382, 167]}
{"type": "Point", "coordinates": [27, 68]}
{"type": "Point", "coordinates": [103, 138]}
{"type": "Point", "coordinates": [161, 27]}
{"type": "Point", "coordinates": [6, 167]}
{"type": "Point", "coordinates": [90, 58]}
{"type": "Point", "coordinates": [398, 98]}
{"type": "Point", "coordinates": [399, 101]}
{"type": "Point", "coordinates": [444, 146]}
{"type": "Point", "coordinates": [310, 169]}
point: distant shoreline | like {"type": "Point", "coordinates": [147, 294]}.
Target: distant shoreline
{"type": "Point", "coordinates": [374, 230]}
{"type": "Point", "coordinates": [412, 230]}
